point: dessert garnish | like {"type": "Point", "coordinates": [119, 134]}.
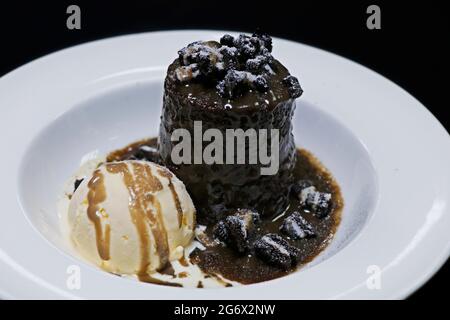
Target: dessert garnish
{"type": "Point", "coordinates": [312, 199]}
{"type": "Point", "coordinates": [234, 65]}
{"type": "Point", "coordinates": [236, 229]}
{"type": "Point", "coordinates": [275, 250]}
{"type": "Point", "coordinates": [297, 227]}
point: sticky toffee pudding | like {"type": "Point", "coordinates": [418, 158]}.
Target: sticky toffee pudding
{"type": "Point", "coordinates": [252, 224]}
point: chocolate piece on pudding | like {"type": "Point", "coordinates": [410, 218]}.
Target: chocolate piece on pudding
{"type": "Point", "coordinates": [297, 187]}
{"type": "Point", "coordinates": [234, 84]}
{"type": "Point", "coordinates": [297, 227]}
{"type": "Point", "coordinates": [317, 202]}
{"type": "Point", "coordinates": [236, 230]}
{"type": "Point", "coordinates": [276, 251]}
{"type": "Point", "coordinates": [146, 150]}
{"type": "Point", "coordinates": [146, 153]}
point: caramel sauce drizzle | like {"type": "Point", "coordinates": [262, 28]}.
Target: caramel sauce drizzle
{"type": "Point", "coordinates": [183, 274]}
{"type": "Point", "coordinates": [168, 270]}
{"type": "Point", "coordinates": [176, 199]}
{"type": "Point", "coordinates": [183, 261]}
{"type": "Point", "coordinates": [140, 189]}
{"type": "Point", "coordinates": [97, 195]}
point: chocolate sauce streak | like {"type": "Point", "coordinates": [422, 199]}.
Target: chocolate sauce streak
{"type": "Point", "coordinates": [165, 173]}
{"type": "Point", "coordinates": [168, 270]}
{"type": "Point", "coordinates": [97, 195]}
{"type": "Point", "coordinates": [183, 261]}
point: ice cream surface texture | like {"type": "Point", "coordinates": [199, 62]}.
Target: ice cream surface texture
{"type": "Point", "coordinates": [131, 218]}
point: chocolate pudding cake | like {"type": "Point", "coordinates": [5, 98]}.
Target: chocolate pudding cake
{"type": "Point", "coordinates": [234, 84]}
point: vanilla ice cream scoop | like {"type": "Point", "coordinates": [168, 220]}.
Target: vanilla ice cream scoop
{"type": "Point", "coordinates": [131, 217]}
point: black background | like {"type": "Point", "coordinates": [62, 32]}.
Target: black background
{"type": "Point", "coordinates": [411, 49]}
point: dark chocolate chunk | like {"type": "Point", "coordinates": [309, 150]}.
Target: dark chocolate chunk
{"type": "Point", "coordinates": [255, 65]}
{"type": "Point", "coordinates": [261, 84]}
{"type": "Point", "coordinates": [247, 46]}
{"type": "Point", "coordinates": [233, 66]}
{"type": "Point", "coordinates": [297, 187]}
{"type": "Point", "coordinates": [205, 65]}
{"type": "Point", "coordinates": [229, 58]}
{"type": "Point", "coordinates": [267, 56]}
{"type": "Point", "coordinates": [235, 230]}
{"type": "Point", "coordinates": [187, 55]}
{"type": "Point", "coordinates": [205, 55]}
{"type": "Point", "coordinates": [276, 251]}
{"type": "Point", "coordinates": [317, 202]}
{"type": "Point", "coordinates": [234, 83]}
{"type": "Point", "coordinates": [221, 231]}
{"type": "Point", "coordinates": [76, 184]}
{"type": "Point", "coordinates": [145, 153]}
{"type": "Point", "coordinates": [265, 38]}
{"type": "Point", "coordinates": [294, 88]}
{"type": "Point", "coordinates": [259, 63]}
{"type": "Point", "coordinates": [297, 227]}
{"type": "Point", "coordinates": [227, 40]}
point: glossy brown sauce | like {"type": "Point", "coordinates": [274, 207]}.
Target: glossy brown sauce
{"type": "Point", "coordinates": [183, 261]}
{"type": "Point", "coordinates": [97, 195]}
{"type": "Point", "coordinates": [168, 270]}
{"type": "Point", "coordinates": [168, 175]}
{"type": "Point", "coordinates": [129, 150]}
{"type": "Point", "coordinates": [141, 185]}
{"type": "Point", "coordinates": [246, 269]}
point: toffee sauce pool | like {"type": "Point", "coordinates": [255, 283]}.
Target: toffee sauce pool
{"type": "Point", "coordinates": [247, 269]}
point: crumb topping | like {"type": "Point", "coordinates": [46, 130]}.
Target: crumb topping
{"type": "Point", "coordinates": [233, 66]}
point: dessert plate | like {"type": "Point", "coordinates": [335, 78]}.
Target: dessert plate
{"type": "Point", "coordinates": [387, 152]}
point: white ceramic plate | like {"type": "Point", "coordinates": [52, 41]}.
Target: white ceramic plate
{"type": "Point", "coordinates": [387, 152]}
